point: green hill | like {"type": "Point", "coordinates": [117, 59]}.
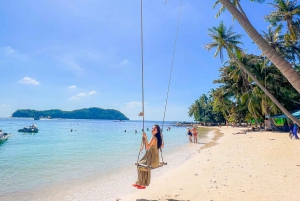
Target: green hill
{"type": "Point", "coordinates": [85, 113]}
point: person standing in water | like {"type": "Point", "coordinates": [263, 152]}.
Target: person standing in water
{"type": "Point", "coordinates": [195, 134]}
{"type": "Point", "coordinates": [189, 133]}
{"type": "Point", "coordinates": [151, 157]}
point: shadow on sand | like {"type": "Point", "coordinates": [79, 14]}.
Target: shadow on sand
{"type": "Point", "coordinates": [157, 200]}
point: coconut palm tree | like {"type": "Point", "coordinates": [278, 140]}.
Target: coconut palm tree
{"type": "Point", "coordinates": [284, 45]}
{"type": "Point", "coordinates": [236, 3]}
{"type": "Point", "coordinates": [194, 110]}
{"type": "Point", "coordinates": [221, 103]}
{"type": "Point", "coordinates": [275, 39]}
{"type": "Point", "coordinates": [286, 12]}
{"type": "Point", "coordinates": [292, 48]}
{"type": "Point", "coordinates": [226, 39]}
{"type": "Point", "coordinates": [285, 68]}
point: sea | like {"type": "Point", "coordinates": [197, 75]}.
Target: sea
{"type": "Point", "coordinates": [96, 161]}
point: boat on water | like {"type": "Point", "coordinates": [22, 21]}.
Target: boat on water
{"type": "Point", "coordinates": [36, 118]}
{"type": "Point", "coordinates": [3, 136]}
{"type": "Point", "coordinates": [30, 129]}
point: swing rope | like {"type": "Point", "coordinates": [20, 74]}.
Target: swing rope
{"type": "Point", "coordinates": [172, 63]}
{"type": "Point", "coordinates": [265, 88]}
{"type": "Point", "coordinates": [170, 77]}
{"type": "Point", "coordinates": [142, 60]}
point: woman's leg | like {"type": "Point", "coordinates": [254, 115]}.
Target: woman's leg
{"type": "Point", "coordinates": [144, 177]}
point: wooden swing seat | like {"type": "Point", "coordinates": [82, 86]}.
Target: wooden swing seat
{"type": "Point", "coordinates": [149, 166]}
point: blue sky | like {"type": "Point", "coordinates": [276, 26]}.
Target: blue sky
{"type": "Point", "coordinates": [72, 54]}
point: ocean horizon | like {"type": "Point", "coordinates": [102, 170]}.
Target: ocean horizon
{"type": "Point", "coordinates": [86, 164]}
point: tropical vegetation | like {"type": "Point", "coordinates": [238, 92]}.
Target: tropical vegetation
{"type": "Point", "coordinates": [86, 113]}
{"type": "Point", "coordinates": [251, 87]}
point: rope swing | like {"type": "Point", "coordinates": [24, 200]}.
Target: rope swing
{"type": "Point", "coordinates": [170, 77]}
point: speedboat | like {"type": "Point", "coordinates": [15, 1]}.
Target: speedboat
{"type": "Point", "coordinates": [30, 129]}
{"type": "Point", "coordinates": [4, 136]}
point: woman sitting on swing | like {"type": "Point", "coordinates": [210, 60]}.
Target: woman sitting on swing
{"type": "Point", "coordinates": [151, 157]}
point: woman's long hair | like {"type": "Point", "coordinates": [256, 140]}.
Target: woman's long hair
{"type": "Point", "coordinates": [158, 136]}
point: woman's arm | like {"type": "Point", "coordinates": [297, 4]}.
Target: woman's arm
{"type": "Point", "coordinates": [152, 141]}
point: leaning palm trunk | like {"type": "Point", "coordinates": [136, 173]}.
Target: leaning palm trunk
{"type": "Point", "coordinates": [284, 67]}
{"type": "Point", "coordinates": [241, 65]}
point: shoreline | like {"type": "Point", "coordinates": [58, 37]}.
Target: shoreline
{"type": "Point", "coordinates": [97, 187]}
{"type": "Point", "coordinates": [253, 166]}
{"type": "Point", "coordinates": [93, 190]}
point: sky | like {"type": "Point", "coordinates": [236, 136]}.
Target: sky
{"type": "Point", "coordinates": [73, 54]}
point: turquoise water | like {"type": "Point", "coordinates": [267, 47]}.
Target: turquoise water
{"type": "Point", "coordinates": [85, 164]}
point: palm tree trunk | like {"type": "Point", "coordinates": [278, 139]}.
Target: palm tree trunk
{"type": "Point", "coordinates": [241, 9]}
{"type": "Point", "coordinates": [241, 65]}
{"type": "Point", "coordinates": [284, 67]}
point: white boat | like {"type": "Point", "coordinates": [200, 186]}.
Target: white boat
{"type": "Point", "coordinates": [30, 129]}
{"type": "Point", "coordinates": [4, 136]}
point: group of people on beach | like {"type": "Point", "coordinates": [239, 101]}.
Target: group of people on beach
{"type": "Point", "coordinates": [192, 133]}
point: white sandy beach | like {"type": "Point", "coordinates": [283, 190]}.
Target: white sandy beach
{"type": "Point", "coordinates": [253, 166]}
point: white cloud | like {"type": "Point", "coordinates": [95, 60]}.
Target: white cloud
{"type": "Point", "coordinates": [132, 109]}
{"type": "Point", "coordinates": [124, 62]}
{"type": "Point", "coordinates": [28, 80]}
{"type": "Point", "coordinates": [83, 94]}
{"type": "Point", "coordinates": [9, 50]}
{"type": "Point", "coordinates": [72, 87]}
{"type": "Point", "coordinates": [133, 104]}
{"type": "Point", "coordinates": [74, 98]}
{"type": "Point", "coordinates": [73, 65]}
{"type": "Point", "coordinates": [92, 92]}
{"type": "Point", "coordinates": [12, 53]}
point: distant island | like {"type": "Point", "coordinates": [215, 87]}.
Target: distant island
{"type": "Point", "coordinates": [85, 113]}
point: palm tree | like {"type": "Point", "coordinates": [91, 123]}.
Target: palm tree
{"type": "Point", "coordinates": [275, 39]}
{"type": "Point", "coordinates": [222, 9]}
{"type": "Point", "coordinates": [285, 68]}
{"type": "Point", "coordinates": [292, 48]}
{"type": "Point", "coordinates": [234, 2]}
{"type": "Point", "coordinates": [284, 45]}
{"type": "Point", "coordinates": [194, 110]}
{"type": "Point", "coordinates": [221, 103]}
{"type": "Point", "coordinates": [286, 11]}
{"type": "Point", "coordinates": [226, 39]}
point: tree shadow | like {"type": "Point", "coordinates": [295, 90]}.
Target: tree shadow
{"type": "Point", "coordinates": [157, 200]}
